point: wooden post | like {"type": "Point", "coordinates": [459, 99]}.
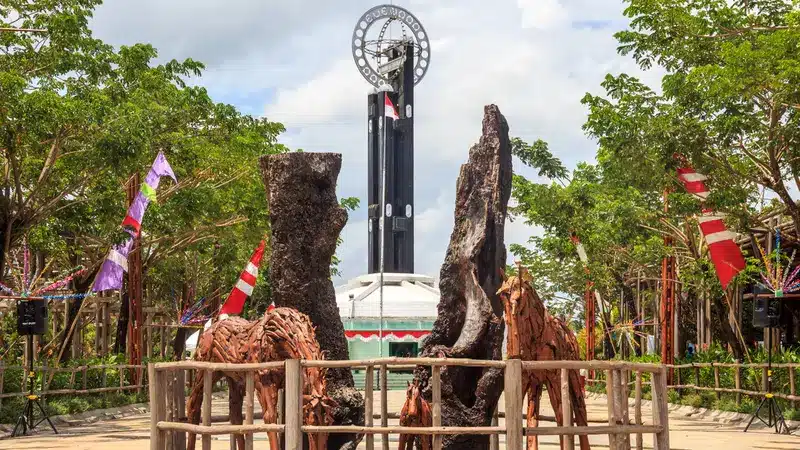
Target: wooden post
{"type": "Point", "coordinates": [737, 379]}
{"type": "Point", "coordinates": [281, 406]}
{"type": "Point", "coordinates": [249, 393]}
{"type": "Point", "coordinates": [384, 406]}
{"type": "Point", "coordinates": [716, 381]}
{"type": "Point", "coordinates": [179, 402]}
{"type": "Point", "coordinates": [660, 409]}
{"type": "Point", "coordinates": [568, 440]}
{"type": "Point", "coordinates": [696, 377]}
{"type": "Point", "coordinates": [610, 397]}
{"type": "Point", "coordinates": [764, 377]}
{"type": "Point", "coordinates": [791, 386]}
{"type": "Point", "coordinates": [637, 409]}
{"type": "Point", "coordinates": [436, 407]}
{"type": "Point", "coordinates": [2, 376]}
{"type": "Point", "coordinates": [162, 407]}
{"type": "Point", "coordinates": [149, 326]}
{"type": "Point", "coordinates": [170, 377]}
{"type": "Point", "coordinates": [155, 400]}
{"type": "Point", "coordinates": [494, 439]}
{"type": "Point", "coordinates": [513, 399]}
{"type": "Point", "coordinates": [369, 379]}
{"type": "Point", "coordinates": [208, 390]}
{"type": "Point", "coordinates": [623, 417]}
{"type": "Point", "coordinates": [294, 405]}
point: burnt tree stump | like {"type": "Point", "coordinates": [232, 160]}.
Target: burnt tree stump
{"type": "Point", "coordinates": [305, 222]}
{"type": "Point", "coordinates": [470, 313]}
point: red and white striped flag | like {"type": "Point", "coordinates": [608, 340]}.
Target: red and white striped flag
{"type": "Point", "coordinates": [725, 254]}
{"type": "Point", "coordinates": [244, 287]}
{"type": "Point", "coordinates": [388, 109]}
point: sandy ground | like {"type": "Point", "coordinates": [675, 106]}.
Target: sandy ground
{"type": "Point", "coordinates": [134, 433]}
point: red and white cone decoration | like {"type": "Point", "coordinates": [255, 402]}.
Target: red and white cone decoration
{"type": "Point", "coordinates": [725, 254]}
{"type": "Point", "coordinates": [244, 286]}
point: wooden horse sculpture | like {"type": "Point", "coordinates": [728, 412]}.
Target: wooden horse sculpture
{"type": "Point", "coordinates": [534, 335]}
{"type": "Point", "coordinates": [416, 412]}
{"type": "Point", "coordinates": [283, 333]}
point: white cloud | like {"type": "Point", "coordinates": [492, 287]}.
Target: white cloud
{"type": "Point", "coordinates": [535, 59]}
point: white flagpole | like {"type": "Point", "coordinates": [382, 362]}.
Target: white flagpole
{"type": "Point", "coordinates": [382, 222]}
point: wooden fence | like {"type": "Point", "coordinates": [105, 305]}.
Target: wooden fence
{"type": "Point", "coordinates": [168, 425]}
{"type": "Point", "coordinates": [734, 378]}
{"type": "Point", "coordinates": [78, 379]}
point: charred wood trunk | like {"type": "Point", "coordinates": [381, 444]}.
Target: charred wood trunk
{"type": "Point", "coordinates": [305, 222]}
{"type": "Point", "coordinates": [470, 314]}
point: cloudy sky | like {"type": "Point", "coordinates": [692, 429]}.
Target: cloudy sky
{"type": "Point", "coordinates": [289, 60]}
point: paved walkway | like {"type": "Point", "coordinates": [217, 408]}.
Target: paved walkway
{"type": "Point", "coordinates": [133, 433]}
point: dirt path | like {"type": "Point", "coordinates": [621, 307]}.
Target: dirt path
{"type": "Point", "coordinates": [685, 433]}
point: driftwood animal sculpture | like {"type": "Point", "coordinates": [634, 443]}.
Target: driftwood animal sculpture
{"type": "Point", "coordinates": [416, 412]}
{"type": "Point", "coordinates": [535, 335]}
{"type": "Point", "coordinates": [283, 333]}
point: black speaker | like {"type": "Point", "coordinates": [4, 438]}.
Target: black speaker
{"type": "Point", "coordinates": [31, 317]}
{"type": "Point", "coordinates": [766, 312]}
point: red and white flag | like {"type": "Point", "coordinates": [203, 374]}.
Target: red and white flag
{"type": "Point", "coordinates": [244, 287]}
{"type": "Point", "coordinates": [388, 109]}
{"type": "Point", "coordinates": [725, 254]}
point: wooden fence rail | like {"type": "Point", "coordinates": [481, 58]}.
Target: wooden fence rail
{"type": "Point", "coordinates": [168, 428]}
{"type": "Point", "coordinates": [718, 372]}
{"type": "Point", "coordinates": [44, 373]}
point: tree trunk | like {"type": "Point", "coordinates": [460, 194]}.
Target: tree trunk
{"type": "Point", "coordinates": [80, 286]}
{"type": "Point", "coordinates": [305, 222]}
{"type": "Point", "coordinates": [121, 341]}
{"type": "Point", "coordinates": [470, 314]}
{"type": "Point", "coordinates": [723, 326]}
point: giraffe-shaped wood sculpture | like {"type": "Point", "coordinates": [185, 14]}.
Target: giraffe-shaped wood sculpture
{"type": "Point", "coordinates": [281, 334]}
{"type": "Point", "coordinates": [535, 335]}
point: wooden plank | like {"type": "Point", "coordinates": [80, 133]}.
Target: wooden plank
{"type": "Point", "coordinates": [220, 429]}
{"type": "Point", "coordinates": [208, 390]}
{"type": "Point", "coordinates": [436, 407]}
{"type": "Point", "coordinates": [566, 410]}
{"type": "Point", "coordinates": [513, 403]}
{"type": "Point", "coordinates": [539, 431]}
{"type": "Point", "coordinates": [154, 400]}
{"type": "Point", "coordinates": [293, 433]}
{"type": "Point", "coordinates": [660, 410]}
{"type": "Point", "coordinates": [249, 393]}
{"type": "Point", "coordinates": [384, 405]}
{"type": "Point", "coordinates": [369, 379]}
{"type": "Point", "coordinates": [637, 409]}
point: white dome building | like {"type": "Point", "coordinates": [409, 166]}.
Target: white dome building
{"type": "Point", "coordinates": [409, 310]}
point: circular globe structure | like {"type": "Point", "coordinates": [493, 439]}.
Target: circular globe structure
{"type": "Point", "coordinates": [384, 27]}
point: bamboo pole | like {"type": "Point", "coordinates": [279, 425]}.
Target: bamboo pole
{"type": "Point", "coordinates": [369, 379]}
{"type": "Point", "coordinates": [737, 379]}
{"type": "Point", "coordinates": [436, 389]}
{"type": "Point", "coordinates": [513, 399]}
{"type": "Point", "coordinates": [568, 441]}
{"type": "Point", "coordinates": [293, 433]}
{"type": "Point", "coordinates": [622, 394]}
{"type": "Point", "coordinates": [716, 382]}
{"type": "Point", "coordinates": [249, 392]}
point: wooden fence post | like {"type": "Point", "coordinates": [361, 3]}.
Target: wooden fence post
{"type": "Point", "coordinates": [494, 439]}
{"type": "Point", "coordinates": [737, 380]}
{"type": "Point", "coordinates": [436, 407]}
{"type": "Point", "coordinates": [208, 390]}
{"type": "Point", "coordinates": [249, 393]}
{"type": "Point", "coordinates": [369, 379]}
{"type": "Point", "coordinates": [384, 405]}
{"type": "Point", "coordinates": [791, 386]}
{"type": "Point", "coordinates": [567, 440]}
{"type": "Point", "coordinates": [637, 409]}
{"type": "Point", "coordinates": [154, 402]}
{"type": "Point", "coordinates": [293, 432]}
{"type": "Point", "coordinates": [2, 376]}
{"type": "Point", "coordinates": [610, 398]}
{"type": "Point", "coordinates": [660, 409]}
{"type": "Point", "coordinates": [764, 378]}
{"type": "Point", "coordinates": [716, 381]}
{"type": "Point", "coordinates": [513, 400]}
{"type": "Point", "coordinates": [179, 403]}
{"type": "Point", "coordinates": [622, 408]}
